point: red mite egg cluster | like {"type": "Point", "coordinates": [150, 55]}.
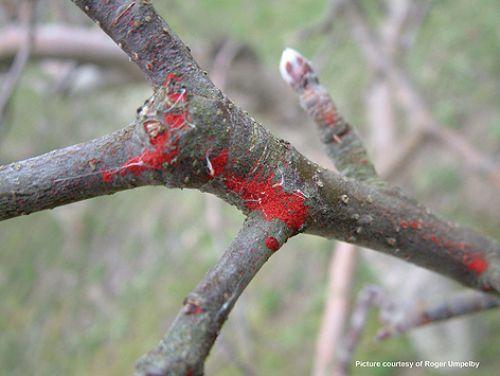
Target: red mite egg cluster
{"type": "Point", "coordinates": [272, 243]}
{"type": "Point", "coordinates": [262, 193]}
{"type": "Point", "coordinates": [164, 145]}
{"type": "Point", "coordinates": [474, 262]}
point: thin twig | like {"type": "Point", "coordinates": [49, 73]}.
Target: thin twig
{"type": "Point", "coordinates": [418, 14]}
{"type": "Point", "coordinates": [457, 306]}
{"type": "Point", "coordinates": [343, 145]}
{"type": "Point", "coordinates": [394, 324]}
{"type": "Point", "coordinates": [404, 155]}
{"type": "Point", "coordinates": [222, 62]}
{"type": "Point", "coordinates": [368, 297]}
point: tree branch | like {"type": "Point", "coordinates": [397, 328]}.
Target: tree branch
{"type": "Point", "coordinates": [329, 330]}
{"type": "Point", "coordinates": [319, 105]}
{"type": "Point", "coordinates": [340, 276]}
{"type": "Point", "coordinates": [68, 175]}
{"type": "Point", "coordinates": [188, 341]}
{"type": "Point", "coordinates": [264, 175]}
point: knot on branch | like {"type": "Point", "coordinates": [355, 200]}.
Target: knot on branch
{"type": "Point", "coordinates": [164, 119]}
{"type": "Point", "coordinates": [192, 306]}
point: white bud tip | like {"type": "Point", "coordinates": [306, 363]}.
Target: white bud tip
{"type": "Point", "coordinates": [287, 64]}
{"type": "Point", "coordinates": [293, 67]}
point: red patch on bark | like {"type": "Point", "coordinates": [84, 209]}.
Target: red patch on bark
{"type": "Point", "coordinates": [264, 194]}
{"type": "Point", "coordinates": [330, 117]}
{"type": "Point", "coordinates": [107, 176]}
{"type": "Point", "coordinates": [219, 162]}
{"type": "Point", "coordinates": [177, 97]}
{"type": "Point", "coordinates": [171, 77]}
{"type": "Point", "coordinates": [272, 243]}
{"type": "Point", "coordinates": [472, 260]}
{"type": "Point", "coordinates": [163, 152]}
{"type": "Point", "coordinates": [261, 193]}
{"type": "Point", "coordinates": [475, 263]}
{"type": "Point", "coordinates": [152, 159]}
{"type": "Point", "coordinates": [487, 287]}
{"type": "Point", "coordinates": [193, 309]}
{"type": "Point", "coordinates": [411, 224]}
{"type": "Point", "coordinates": [175, 121]}
{"type": "Point", "coordinates": [436, 240]}
{"type": "Point", "coordinates": [163, 145]}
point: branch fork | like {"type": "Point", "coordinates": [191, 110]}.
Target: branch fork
{"type": "Point", "coordinates": [189, 135]}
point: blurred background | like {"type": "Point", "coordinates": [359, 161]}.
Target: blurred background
{"type": "Point", "coordinates": [89, 287]}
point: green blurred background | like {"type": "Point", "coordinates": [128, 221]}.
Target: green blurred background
{"type": "Point", "coordinates": [87, 288]}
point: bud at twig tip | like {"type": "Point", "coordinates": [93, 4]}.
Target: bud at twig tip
{"type": "Point", "coordinates": [294, 68]}
{"type": "Point", "coordinates": [288, 59]}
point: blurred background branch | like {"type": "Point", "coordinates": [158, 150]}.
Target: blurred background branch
{"type": "Point", "coordinates": [27, 16]}
{"type": "Point", "coordinates": [397, 319]}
